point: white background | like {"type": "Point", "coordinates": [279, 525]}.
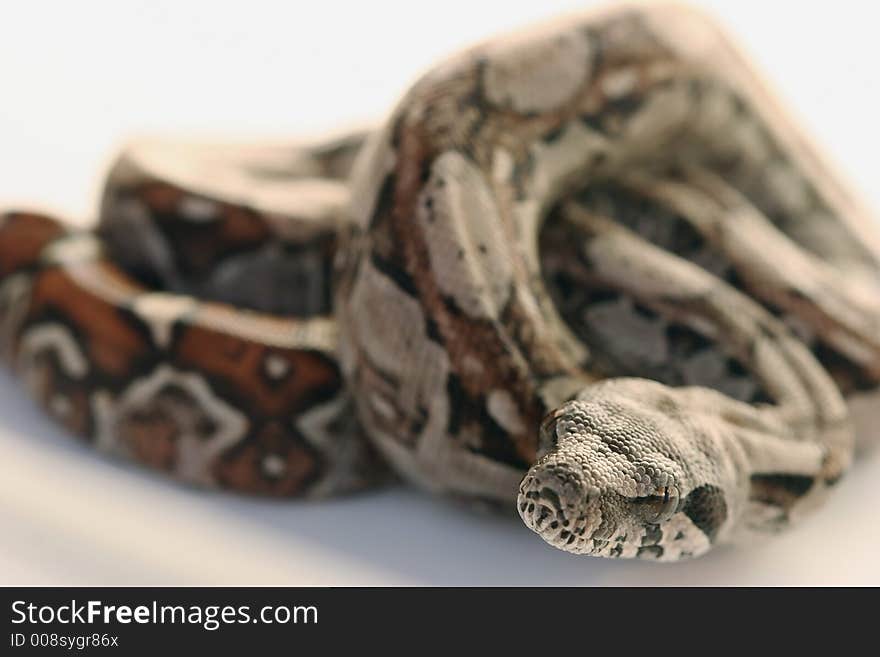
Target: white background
{"type": "Point", "coordinates": [78, 78]}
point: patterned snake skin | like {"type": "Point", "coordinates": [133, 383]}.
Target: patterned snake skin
{"type": "Point", "coordinates": [591, 269]}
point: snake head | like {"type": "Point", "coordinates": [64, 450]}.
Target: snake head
{"type": "Point", "coordinates": [614, 479]}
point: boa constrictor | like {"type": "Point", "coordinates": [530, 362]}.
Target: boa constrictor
{"type": "Point", "coordinates": [591, 268]}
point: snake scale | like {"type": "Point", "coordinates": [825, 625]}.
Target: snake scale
{"type": "Point", "coordinates": [591, 269]}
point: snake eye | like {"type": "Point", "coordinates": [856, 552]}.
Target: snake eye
{"type": "Point", "coordinates": [656, 508]}
{"type": "Point", "coordinates": [547, 438]}
{"type": "Point", "coordinates": [670, 503]}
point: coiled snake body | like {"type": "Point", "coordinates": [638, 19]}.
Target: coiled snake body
{"type": "Point", "coordinates": [591, 268]}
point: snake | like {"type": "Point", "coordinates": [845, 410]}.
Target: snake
{"type": "Point", "coordinates": [592, 271]}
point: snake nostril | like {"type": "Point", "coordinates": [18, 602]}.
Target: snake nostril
{"type": "Point", "coordinates": [551, 496]}
{"type": "Point", "coordinates": [553, 501]}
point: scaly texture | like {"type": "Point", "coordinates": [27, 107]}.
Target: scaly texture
{"type": "Point", "coordinates": [591, 268]}
{"type": "Point", "coordinates": [611, 197]}
{"type": "Point", "coordinates": [128, 338]}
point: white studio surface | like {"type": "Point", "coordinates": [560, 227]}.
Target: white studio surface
{"type": "Point", "coordinates": [80, 78]}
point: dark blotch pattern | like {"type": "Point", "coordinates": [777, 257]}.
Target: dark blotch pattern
{"type": "Point", "coordinates": [707, 509]}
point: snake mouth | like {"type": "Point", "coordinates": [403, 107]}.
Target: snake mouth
{"type": "Point", "coordinates": [567, 513]}
{"type": "Point", "coordinates": [553, 508]}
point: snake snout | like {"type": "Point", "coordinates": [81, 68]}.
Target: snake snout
{"type": "Point", "coordinates": [551, 502]}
